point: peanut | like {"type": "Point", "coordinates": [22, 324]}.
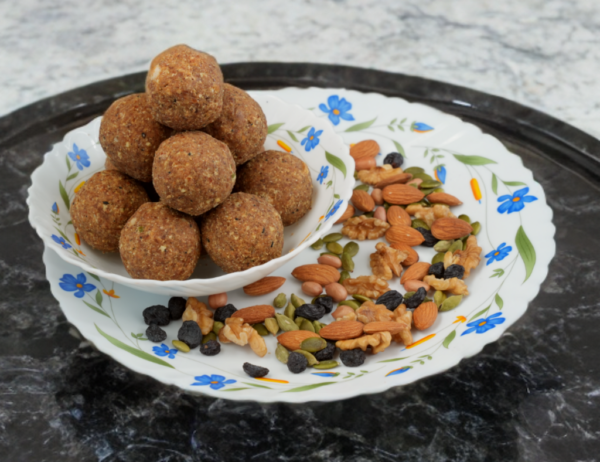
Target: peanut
{"type": "Point", "coordinates": [217, 300]}
{"type": "Point", "coordinates": [365, 163]}
{"type": "Point", "coordinates": [330, 260]}
{"type": "Point", "coordinates": [380, 214]}
{"type": "Point", "coordinates": [312, 289]}
{"type": "Point", "coordinates": [377, 195]}
{"type": "Point", "coordinates": [416, 181]}
{"type": "Point", "coordinates": [336, 291]}
{"type": "Point", "coordinates": [344, 313]}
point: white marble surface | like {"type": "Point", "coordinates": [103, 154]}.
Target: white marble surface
{"type": "Point", "coordinates": [543, 53]}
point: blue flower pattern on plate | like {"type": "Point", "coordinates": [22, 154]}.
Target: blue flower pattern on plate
{"type": "Point", "coordinates": [498, 254]}
{"type": "Point", "coordinates": [215, 381]}
{"type": "Point", "coordinates": [440, 174]}
{"type": "Point", "coordinates": [312, 139]}
{"type": "Point", "coordinates": [333, 209]}
{"type": "Point", "coordinates": [338, 109]}
{"type": "Point", "coordinates": [481, 325]}
{"type": "Point", "coordinates": [420, 127]}
{"type": "Point", "coordinates": [55, 208]}
{"type": "Point", "coordinates": [163, 350]}
{"type": "Point", "coordinates": [80, 157]}
{"type": "Point", "coordinates": [70, 283]}
{"type": "Point", "coordinates": [323, 174]}
{"type": "Point", "coordinates": [61, 241]}
{"type": "Point", "coordinates": [516, 202]}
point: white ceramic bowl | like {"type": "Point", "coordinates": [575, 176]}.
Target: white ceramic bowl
{"type": "Point", "coordinates": [291, 128]}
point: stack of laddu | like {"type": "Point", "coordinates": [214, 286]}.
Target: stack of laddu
{"type": "Point", "coordinates": [172, 155]}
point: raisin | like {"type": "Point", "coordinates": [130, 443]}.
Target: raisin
{"type": "Point", "coordinates": [391, 299]}
{"type": "Point", "coordinates": [394, 159]}
{"type": "Point", "coordinates": [224, 312]}
{"type": "Point", "coordinates": [176, 307]}
{"type": "Point", "coordinates": [416, 299]}
{"type": "Point", "coordinates": [297, 362]}
{"type": "Point", "coordinates": [437, 269]}
{"type": "Point", "coordinates": [429, 241]}
{"type": "Point", "coordinates": [326, 353]}
{"type": "Point", "coordinates": [255, 371]}
{"type": "Point", "coordinates": [353, 358]}
{"type": "Point", "coordinates": [157, 314]}
{"type": "Point", "coordinates": [190, 334]}
{"type": "Point", "coordinates": [155, 333]}
{"type": "Point", "coordinates": [454, 271]}
{"type": "Point", "coordinates": [210, 348]}
{"type": "Point", "coordinates": [310, 311]}
{"type": "Point", "coordinates": [326, 302]}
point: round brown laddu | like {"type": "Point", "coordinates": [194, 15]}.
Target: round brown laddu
{"type": "Point", "coordinates": [243, 232]}
{"type": "Point", "coordinates": [102, 207]}
{"type": "Point", "coordinates": [281, 178]}
{"type": "Point", "coordinates": [160, 243]}
{"type": "Point", "coordinates": [242, 125]}
{"type": "Point", "coordinates": [193, 172]}
{"type": "Point", "coordinates": [185, 87]}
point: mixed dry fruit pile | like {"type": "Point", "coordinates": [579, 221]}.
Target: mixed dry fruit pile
{"type": "Point", "coordinates": [186, 170]}
{"type": "Point", "coordinates": [406, 207]}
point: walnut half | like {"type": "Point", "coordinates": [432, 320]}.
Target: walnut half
{"type": "Point", "coordinates": [369, 312]}
{"type": "Point", "coordinates": [378, 342]}
{"type": "Point", "coordinates": [240, 333]}
{"type": "Point", "coordinates": [386, 262]}
{"type": "Point", "coordinates": [401, 315]}
{"type": "Point", "coordinates": [363, 227]}
{"type": "Point", "coordinates": [369, 286]}
{"type": "Point", "coordinates": [197, 311]}
{"type": "Point", "coordinates": [453, 285]}
{"type": "Point", "coordinates": [470, 257]}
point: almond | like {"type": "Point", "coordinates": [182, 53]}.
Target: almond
{"type": "Point", "coordinates": [349, 213]}
{"type": "Point", "coordinates": [292, 340]}
{"type": "Point", "coordinates": [396, 215]}
{"type": "Point", "coordinates": [404, 234]}
{"type": "Point", "coordinates": [402, 194]}
{"type": "Point", "coordinates": [417, 271]}
{"type": "Point", "coordinates": [412, 285]}
{"type": "Point", "coordinates": [447, 229]}
{"type": "Point", "coordinates": [323, 274]}
{"type": "Point", "coordinates": [413, 256]}
{"type": "Point", "coordinates": [425, 315]}
{"type": "Point", "coordinates": [342, 330]}
{"type": "Point", "coordinates": [362, 200]}
{"type": "Point", "coordinates": [397, 178]}
{"type": "Point", "coordinates": [366, 163]}
{"type": "Point", "coordinates": [255, 314]}
{"type": "Point", "coordinates": [443, 198]}
{"type": "Point", "coordinates": [376, 194]}
{"type": "Point", "coordinates": [366, 148]}
{"type": "Point", "coordinates": [264, 285]}
{"type": "Point", "coordinates": [383, 326]}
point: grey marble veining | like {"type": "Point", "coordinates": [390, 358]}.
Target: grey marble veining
{"type": "Point", "coordinates": [538, 52]}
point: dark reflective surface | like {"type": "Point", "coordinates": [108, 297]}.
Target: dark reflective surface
{"type": "Point", "coordinates": [533, 395]}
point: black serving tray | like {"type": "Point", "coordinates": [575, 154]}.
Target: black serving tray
{"type": "Point", "coordinates": [532, 395]}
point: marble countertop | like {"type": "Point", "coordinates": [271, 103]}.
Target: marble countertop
{"type": "Point", "coordinates": [533, 395]}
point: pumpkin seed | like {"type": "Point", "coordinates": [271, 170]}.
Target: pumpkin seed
{"type": "Point", "coordinates": [299, 320]}
{"type": "Point", "coordinates": [217, 326]}
{"type": "Point", "coordinates": [456, 245]}
{"type": "Point", "coordinates": [430, 184]}
{"type": "Point", "coordinates": [347, 262]}
{"type": "Point", "coordinates": [317, 245]}
{"type": "Point", "coordinates": [438, 257]}
{"type": "Point", "coordinates": [282, 353]}
{"type": "Point", "coordinates": [311, 359]}
{"type": "Point", "coordinates": [271, 325]}
{"type": "Point", "coordinates": [465, 218]}
{"type": "Point", "coordinates": [442, 246]}
{"type": "Point", "coordinates": [285, 323]}
{"type": "Point", "coordinates": [261, 329]}
{"type": "Point", "coordinates": [329, 253]}
{"type": "Point", "coordinates": [439, 297]}
{"type": "Point", "coordinates": [423, 176]}
{"type": "Point", "coordinates": [414, 170]}
{"type": "Point", "coordinates": [183, 347]}
{"type": "Point", "coordinates": [289, 311]}
{"type": "Point", "coordinates": [362, 187]}
{"type": "Point", "coordinates": [451, 302]}
{"type": "Point", "coordinates": [426, 299]}
{"type": "Point", "coordinates": [423, 203]}
{"type": "Point", "coordinates": [416, 186]}
{"type": "Point", "coordinates": [329, 364]}
{"type": "Point", "coordinates": [351, 248]}
{"type": "Point", "coordinates": [313, 344]}
{"type": "Point", "coordinates": [280, 300]}
{"type": "Point", "coordinates": [297, 301]}
{"type": "Point", "coordinates": [409, 294]}
{"type": "Point", "coordinates": [208, 337]}
{"type": "Point", "coordinates": [335, 247]}
{"type": "Point", "coordinates": [333, 237]}
{"type": "Point", "coordinates": [343, 276]}
{"type": "Point", "coordinates": [476, 228]}
{"type": "Point", "coordinates": [418, 223]}
{"type": "Point", "coordinates": [307, 325]}
{"type": "Point", "coordinates": [438, 190]}
{"type": "Point", "coordinates": [361, 298]}
{"type": "Point", "coordinates": [427, 191]}
{"type": "Point", "coordinates": [317, 325]}
{"type": "Point", "coordinates": [351, 303]}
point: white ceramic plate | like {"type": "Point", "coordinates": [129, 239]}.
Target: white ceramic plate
{"type": "Point", "coordinates": [517, 246]}
{"type": "Point", "coordinates": [79, 156]}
